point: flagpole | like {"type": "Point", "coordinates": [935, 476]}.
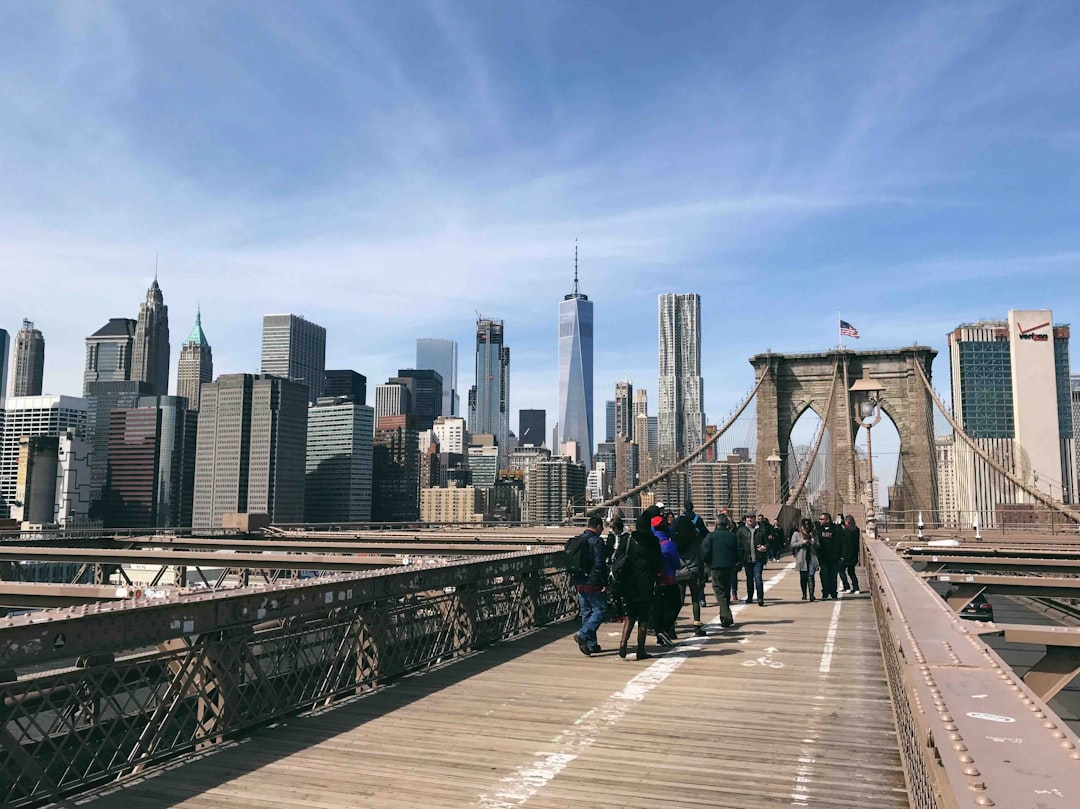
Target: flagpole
{"type": "Point", "coordinates": [840, 330]}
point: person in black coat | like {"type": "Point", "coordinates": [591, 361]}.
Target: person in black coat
{"type": "Point", "coordinates": [637, 581]}
{"type": "Point", "coordinates": [720, 552]}
{"type": "Point", "coordinates": [849, 555]}
{"type": "Point", "coordinates": [829, 551]}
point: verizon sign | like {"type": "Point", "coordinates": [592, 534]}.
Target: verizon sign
{"type": "Point", "coordinates": [1033, 333]}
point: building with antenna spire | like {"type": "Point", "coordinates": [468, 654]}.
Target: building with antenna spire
{"type": "Point", "coordinates": [196, 367]}
{"type": "Point", "coordinates": [150, 349]}
{"type": "Point", "coordinates": [576, 370]}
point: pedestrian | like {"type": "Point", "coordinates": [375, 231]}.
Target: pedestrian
{"type": "Point", "coordinates": [591, 585]}
{"type": "Point", "coordinates": [777, 541]}
{"type": "Point", "coordinates": [752, 538]}
{"type": "Point", "coordinates": [804, 545]}
{"type": "Point", "coordinates": [733, 526]}
{"type": "Point", "coordinates": [637, 581]}
{"type": "Point", "coordinates": [617, 538]}
{"type": "Point", "coordinates": [849, 555]}
{"type": "Point", "coordinates": [667, 589]}
{"type": "Point", "coordinates": [828, 555]}
{"type": "Point", "coordinates": [720, 551]}
{"type": "Point", "coordinates": [688, 533]}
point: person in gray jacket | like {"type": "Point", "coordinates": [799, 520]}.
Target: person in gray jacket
{"type": "Point", "coordinates": [804, 545]}
{"type": "Point", "coordinates": [720, 552]}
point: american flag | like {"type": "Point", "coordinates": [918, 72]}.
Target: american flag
{"type": "Point", "coordinates": [847, 330]}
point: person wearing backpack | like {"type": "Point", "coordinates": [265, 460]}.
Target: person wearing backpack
{"type": "Point", "coordinates": [637, 581]}
{"type": "Point", "coordinates": [689, 531]}
{"type": "Point", "coordinates": [586, 557]}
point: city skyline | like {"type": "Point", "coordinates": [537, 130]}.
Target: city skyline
{"type": "Point", "coordinates": [863, 126]}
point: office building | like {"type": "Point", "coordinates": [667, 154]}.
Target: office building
{"type": "Point", "coordinates": [337, 384]}
{"type": "Point", "coordinates": [532, 428]}
{"type": "Point", "coordinates": [730, 483]}
{"type": "Point", "coordinates": [1011, 393]}
{"type": "Point", "coordinates": [425, 394]}
{"type": "Point", "coordinates": [251, 452]}
{"type": "Point", "coordinates": [554, 487]}
{"type": "Point", "coordinates": [101, 399]}
{"type": "Point", "coordinates": [452, 505]}
{"type": "Point", "coordinates": [339, 461]}
{"type": "Point", "coordinates": [295, 348]}
{"type": "Point", "coordinates": [484, 464]}
{"type": "Point", "coordinates": [5, 346]}
{"type": "Point", "coordinates": [196, 366]}
{"type": "Point", "coordinates": [681, 422]}
{"type": "Point", "coordinates": [28, 363]}
{"type": "Point", "coordinates": [151, 464]}
{"type": "Point", "coordinates": [522, 460]}
{"type": "Point", "coordinates": [32, 416]}
{"type": "Point", "coordinates": [627, 466]}
{"type": "Point", "coordinates": [948, 513]}
{"type": "Point", "coordinates": [108, 353]}
{"type": "Point", "coordinates": [489, 398]}
{"type": "Point", "coordinates": [624, 410]}
{"type": "Point", "coordinates": [641, 404]}
{"type": "Point", "coordinates": [395, 495]}
{"type": "Point", "coordinates": [53, 482]}
{"type": "Point", "coordinates": [442, 356]}
{"type": "Point", "coordinates": [150, 345]}
{"type": "Point", "coordinates": [1075, 385]}
{"type": "Point", "coordinates": [392, 399]}
{"type": "Point", "coordinates": [452, 435]}
{"type": "Point", "coordinates": [576, 370]}
{"type": "Point", "coordinates": [609, 420]}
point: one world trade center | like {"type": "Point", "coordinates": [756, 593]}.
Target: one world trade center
{"type": "Point", "coordinates": [576, 371]}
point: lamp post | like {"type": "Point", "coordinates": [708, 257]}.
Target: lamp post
{"type": "Point", "coordinates": [774, 471]}
{"type": "Point", "coordinates": [866, 395]}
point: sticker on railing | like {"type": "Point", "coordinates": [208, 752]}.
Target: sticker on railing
{"type": "Point", "coordinates": [60, 641]}
{"type": "Point", "coordinates": [991, 717]}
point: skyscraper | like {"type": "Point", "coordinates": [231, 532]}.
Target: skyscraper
{"type": "Point", "coordinates": [624, 412]}
{"type": "Point", "coordinates": [196, 367]}
{"type": "Point", "coordinates": [532, 428]}
{"type": "Point", "coordinates": [108, 352]}
{"type": "Point", "coordinates": [28, 366]}
{"type": "Point", "coordinates": [681, 421]}
{"type": "Point", "coordinates": [441, 356]}
{"type": "Point", "coordinates": [609, 420]}
{"type": "Point", "coordinates": [1011, 393]}
{"type": "Point", "coordinates": [5, 344]}
{"type": "Point", "coordinates": [553, 484]}
{"type": "Point", "coordinates": [576, 370]}
{"type": "Point", "coordinates": [32, 415]}
{"type": "Point", "coordinates": [425, 393]}
{"type": "Point", "coordinates": [392, 399]}
{"type": "Point", "coordinates": [345, 383]}
{"type": "Point", "coordinates": [251, 449]}
{"type": "Point", "coordinates": [395, 495]}
{"type": "Point", "coordinates": [339, 461]}
{"type": "Point", "coordinates": [641, 404]}
{"type": "Point", "coordinates": [489, 399]}
{"type": "Point", "coordinates": [150, 358]}
{"type": "Point", "coordinates": [295, 348]}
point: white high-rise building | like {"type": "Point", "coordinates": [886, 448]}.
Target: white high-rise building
{"type": "Point", "coordinates": [576, 371]}
{"type": "Point", "coordinates": [451, 434]}
{"type": "Point", "coordinates": [681, 421]}
{"type": "Point", "coordinates": [946, 479]}
{"type": "Point", "coordinates": [27, 416]}
{"type": "Point", "coordinates": [391, 399]}
{"type": "Point", "coordinates": [1011, 393]}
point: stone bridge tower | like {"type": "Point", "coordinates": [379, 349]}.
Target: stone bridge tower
{"type": "Point", "coordinates": [795, 382]}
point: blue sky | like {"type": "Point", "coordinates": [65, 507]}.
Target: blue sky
{"type": "Point", "coordinates": [389, 169]}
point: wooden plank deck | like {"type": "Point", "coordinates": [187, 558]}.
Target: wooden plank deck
{"type": "Point", "coordinates": [791, 708]}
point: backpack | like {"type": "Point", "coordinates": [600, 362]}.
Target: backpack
{"type": "Point", "coordinates": [578, 558]}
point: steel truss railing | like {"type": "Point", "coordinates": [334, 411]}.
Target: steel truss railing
{"type": "Point", "coordinates": [146, 681]}
{"type": "Point", "coordinates": [971, 733]}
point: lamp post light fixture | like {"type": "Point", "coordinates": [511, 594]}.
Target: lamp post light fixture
{"type": "Point", "coordinates": [867, 399]}
{"type": "Point", "coordinates": [774, 461]}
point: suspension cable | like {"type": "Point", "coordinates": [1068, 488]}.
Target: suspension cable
{"type": "Point", "coordinates": [1046, 500]}
{"type": "Point", "coordinates": [793, 495]}
{"type": "Point", "coordinates": [692, 456]}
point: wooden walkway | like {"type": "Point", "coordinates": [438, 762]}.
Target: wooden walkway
{"type": "Point", "coordinates": [791, 708]}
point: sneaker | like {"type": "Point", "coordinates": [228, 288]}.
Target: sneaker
{"type": "Point", "coordinates": [663, 639]}
{"type": "Point", "coordinates": [583, 645]}
{"type": "Point", "coordinates": [699, 632]}
{"type": "Point", "coordinates": [643, 655]}
{"type": "Point", "coordinates": [845, 590]}
{"type": "Point", "coordinates": [856, 592]}
{"type": "Point", "coordinates": [595, 649]}
{"type": "Point", "coordinates": [761, 603]}
{"type": "Point", "coordinates": [749, 601]}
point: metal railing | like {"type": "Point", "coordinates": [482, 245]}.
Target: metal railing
{"type": "Point", "coordinates": [92, 694]}
{"type": "Point", "coordinates": [970, 732]}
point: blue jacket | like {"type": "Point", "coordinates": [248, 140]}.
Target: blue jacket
{"type": "Point", "coordinates": [598, 570]}
{"type": "Point", "coordinates": [669, 554]}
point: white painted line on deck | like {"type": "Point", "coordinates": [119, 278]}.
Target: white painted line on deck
{"type": "Point", "coordinates": [527, 780]}
{"type": "Point", "coordinates": [830, 639]}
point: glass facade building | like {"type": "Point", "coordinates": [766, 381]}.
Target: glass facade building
{"type": "Point", "coordinates": [489, 398]}
{"type": "Point", "coordinates": [442, 356]}
{"type": "Point", "coordinates": [339, 461]}
{"type": "Point", "coordinates": [576, 372]}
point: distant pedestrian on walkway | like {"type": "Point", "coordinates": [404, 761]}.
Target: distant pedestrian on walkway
{"type": "Point", "coordinates": [849, 555]}
{"type": "Point", "coordinates": [752, 538]}
{"type": "Point", "coordinates": [591, 583]}
{"type": "Point", "coordinates": [720, 551]}
{"type": "Point", "coordinates": [637, 581]}
{"type": "Point", "coordinates": [804, 545]}
{"type": "Point", "coordinates": [689, 531]}
{"type": "Point", "coordinates": [828, 554]}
